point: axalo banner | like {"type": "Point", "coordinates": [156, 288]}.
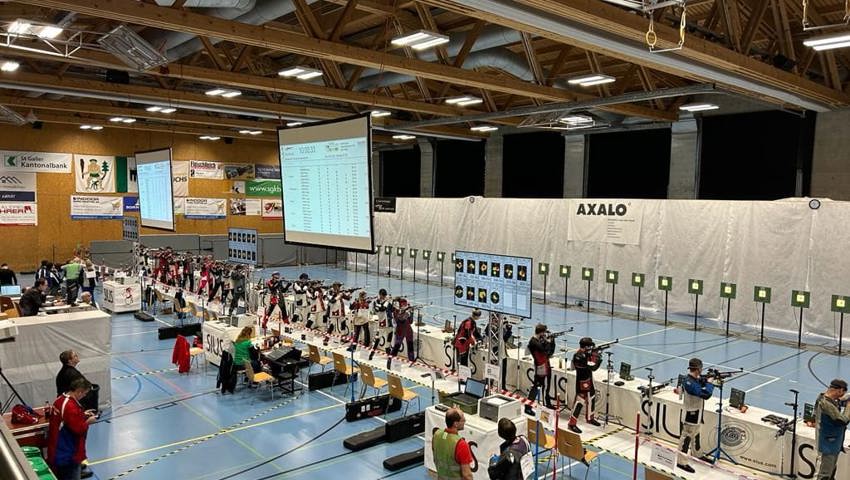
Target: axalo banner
{"type": "Point", "coordinates": [36, 162]}
{"type": "Point", "coordinates": [17, 187]}
{"type": "Point", "coordinates": [18, 214]}
{"type": "Point", "coordinates": [607, 221]}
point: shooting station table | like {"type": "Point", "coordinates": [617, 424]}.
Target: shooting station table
{"type": "Point", "coordinates": [122, 297]}
{"type": "Point", "coordinates": [32, 360]}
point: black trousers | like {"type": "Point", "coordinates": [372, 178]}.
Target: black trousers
{"type": "Point", "coordinates": [72, 290]}
{"type": "Point", "coordinates": [462, 358]}
{"type": "Point", "coordinates": [367, 338]}
{"type": "Point", "coordinates": [235, 301]}
{"type": "Point", "coordinates": [542, 382]}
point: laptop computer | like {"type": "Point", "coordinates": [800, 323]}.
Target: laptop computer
{"type": "Point", "coordinates": [475, 390]}
{"type": "Point", "coordinates": [11, 290]}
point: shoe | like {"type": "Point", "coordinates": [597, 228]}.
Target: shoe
{"type": "Point", "coordinates": [86, 472]}
{"type": "Point", "coordinates": [686, 468]}
{"type": "Point", "coordinates": [529, 410]}
{"type": "Point", "coordinates": [707, 459]}
{"type": "Point", "coordinates": [594, 423]}
{"type": "Point", "coordinates": [352, 348]}
{"type": "Point", "coordinates": [574, 429]}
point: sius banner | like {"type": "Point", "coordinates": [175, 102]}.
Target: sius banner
{"type": "Point", "coordinates": [205, 169]}
{"type": "Point", "coordinates": [17, 187]}
{"type": "Point", "coordinates": [96, 208]}
{"type": "Point", "coordinates": [36, 162]}
{"type": "Point", "coordinates": [180, 178]}
{"type": "Point", "coordinates": [610, 221]}
{"type": "Point", "coordinates": [263, 188]}
{"type": "Point", "coordinates": [131, 204]}
{"type": "Point", "coordinates": [205, 208]}
{"type": "Point", "coordinates": [268, 172]}
{"type": "Point", "coordinates": [18, 214]}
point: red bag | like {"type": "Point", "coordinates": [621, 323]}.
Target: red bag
{"type": "Point", "coordinates": [24, 415]}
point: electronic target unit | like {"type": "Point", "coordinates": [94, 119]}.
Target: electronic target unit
{"type": "Point", "coordinates": [497, 283]}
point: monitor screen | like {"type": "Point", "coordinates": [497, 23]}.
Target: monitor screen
{"type": "Point", "coordinates": [327, 184]}
{"type": "Point", "coordinates": [11, 290]}
{"type": "Point", "coordinates": [242, 245]}
{"type": "Point", "coordinates": [497, 283]}
{"type": "Point", "coordinates": [475, 388]}
{"type": "Point", "coordinates": [156, 202]}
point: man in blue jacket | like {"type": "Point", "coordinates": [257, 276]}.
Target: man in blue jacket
{"type": "Point", "coordinates": [696, 390]}
{"type": "Point", "coordinates": [831, 419]}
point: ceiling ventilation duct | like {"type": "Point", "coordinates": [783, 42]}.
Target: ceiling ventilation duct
{"type": "Point", "coordinates": [131, 49]}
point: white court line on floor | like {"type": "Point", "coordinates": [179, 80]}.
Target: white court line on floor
{"type": "Point", "coordinates": [131, 334]}
{"type": "Point", "coordinates": [647, 333]}
{"type": "Point", "coordinates": [763, 384]}
{"type": "Point", "coordinates": [667, 355]}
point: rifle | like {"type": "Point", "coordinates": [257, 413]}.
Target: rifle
{"type": "Point", "coordinates": [646, 391]}
{"type": "Point", "coordinates": [605, 346]}
{"type": "Point", "coordinates": [715, 373]}
{"type": "Point", "coordinates": [555, 335]}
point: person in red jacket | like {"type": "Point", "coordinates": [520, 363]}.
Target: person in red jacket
{"type": "Point", "coordinates": [466, 336]}
{"type": "Point", "coordinates": [66, 434]}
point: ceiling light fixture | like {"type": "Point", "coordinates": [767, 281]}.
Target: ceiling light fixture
{"type": "Point", "coordinates": [223, 92]}
{"type": "Point", "coordinates": [403, 137]}
{"type": "Point", "coordinates": [91, 127]}
{"type": "Point", "coordinates": [294, 124]}
{"type": "Point", "coordinates": [301, 73]}
{"type": "Point", "coordinates": [380, 113]}
{"type": "Point", "coordinates": [157, 108]}
{"type": "Point", "coordinates": [591, 80]}
{"type": "Point", "coordinates": [829, 42]}
{"type": "Point", "coordinates": [421, 40]}
{"type": "Point", "coordinates": [250, 132]}
{"type": "Point", "coordinates": [9, 66]}
{"type": "Point", "coordinates": [576, 119]}
{"type": "Point", "coordinates": [209, 137]}
{"type": "Point", "coordinates": [484, 128]}
{"type": "Point", "coordinates": [698, 107]}
{"type": "Point", "coordinates": [49, 32]}
{"type": "Point", "coordinates": [122, 120]}
{"type": "Point", "coordinates": [19, 27]}
{"type": "Point", "coordinates": [464, 100]}
{"type": "Point", "coordinates": [132, 49]}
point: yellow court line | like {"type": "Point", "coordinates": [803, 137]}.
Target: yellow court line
{"type": "Point", "coordinates": [194, 439]}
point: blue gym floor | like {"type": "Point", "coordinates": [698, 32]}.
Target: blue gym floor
{"type": "Point", "coordinates": [166, 425]}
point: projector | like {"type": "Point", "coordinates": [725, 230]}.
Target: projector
{"type": "Point", "coordinates": [8, 330]}
{"type": "Point", "coordinates": [498, 406]}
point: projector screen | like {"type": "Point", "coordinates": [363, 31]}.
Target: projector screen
{"type": "Point", "coordinates": [156, 204]}
{"type": "Point", "coordinates": [327, 184]}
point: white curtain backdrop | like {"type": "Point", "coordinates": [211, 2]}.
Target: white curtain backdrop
{"type": "Point", "coordinates": [784, 245]}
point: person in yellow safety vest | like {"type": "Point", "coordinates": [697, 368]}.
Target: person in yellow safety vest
{"type": "Point", "coordinates": [451, 452]}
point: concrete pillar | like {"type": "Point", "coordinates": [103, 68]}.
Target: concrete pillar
{"type": "Point", "coordinates": [831, 156]}
{"type": "Point", "coordinates": [376, 174]}
{"type": "Point", "coordinates": [684, 160]}
{"type": "Point", "coordinates": [426, 168]}
{"type": "Point", "coordinates": [575, 183]}
{"type": "Point", "coordinates": [493, 166]}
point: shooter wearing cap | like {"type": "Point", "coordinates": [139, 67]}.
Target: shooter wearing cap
{"type": "Point", "coordinates": [585, 362]}
{"type": "Point", "coordinates": [831, 419]}
{"type": "Point", "coordinates": [466, 336]}
{"type": "Point", "coordinates": [696, 389]}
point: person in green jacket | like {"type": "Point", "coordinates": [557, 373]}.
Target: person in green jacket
{"type": "Point", "coordinates": [72, 271]}
{"type": "Point", "coordinates": [451, 452]}
{"type": "Point", "coordinates": [241, 346]}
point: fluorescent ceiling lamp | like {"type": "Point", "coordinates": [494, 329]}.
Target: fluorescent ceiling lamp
{"type": "Point", "coordinates": [301, 73]}
{"type": "Point", "coordinates": [828, 42]}
{"type": "Point", "coordinates": [250, 132]}
{"type": "Point", "coordinates": [484, 128]}
{"type": "Point", "coordinates": [421, 40]}
{"type": "Point", "coordinates": [132, 49]}
{"type": "Point", "coordinates": [116, 119]}
{"type": "Point", "coordinates": [9, 66]}
{"type": "Point", "coordinates": [294, 124]}
{"type": "Point", "coordinates": [698, 107]}
{"type": "Point", "coordinates": [157, 108]}
{"type": "Point", "coordinates": [403, 137]}
{"type": "Point", "coordinates": [592, 79]}
{"type": "Point", "coordinates": [209, 137]}
{"type": "Point", "coordinates": [380, 113]}
{"type": "Point", "coordinates": [19, 27]}
{"type": "Point", "coordinates": [97, 127]}
{"type": "Point", "coordinates": [91, 127]}
{"type": "Point", "coordinates": [49, 32]}
{"type": "Point", "coordinates": [168, 110]}
{"type": "Point", "coordinates": [223, 92]}
{"type": "Point", "coordinates": [128, 120]}
{"type": "Point", "coordinates": [85, 127]}
{"type": "Point", "coordinates": [464, 100]}
{"type": "Point", "coordinates": [576, 119]}
{"type": "Point", "coordinates": [122, 120]}
{"type": "Point", "coordinates": [154, 109]}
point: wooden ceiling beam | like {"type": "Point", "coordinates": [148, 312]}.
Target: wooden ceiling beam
{"type": "Point", "coordinates": [731, 22]}
{"type": "Point", "coordinates": [336, 33]}
{"type": "Point", "coordinates": [753, 24]}
{"type": "Point", "coordinates": [624, 24]}
{"type": "Point", "coordinates": [180, 20]}
{"type": "Point", "coordinates": [213, 53]}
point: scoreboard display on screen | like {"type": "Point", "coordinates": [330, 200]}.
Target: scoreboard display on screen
{"type": "Point", "coordinates": [242, 245]}
{"type": "Point", "coordinates": [497, 283]}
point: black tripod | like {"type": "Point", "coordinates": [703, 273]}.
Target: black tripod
{"type": "Point", "coordinates": [8, 403]}
{"type": "Point", "coordinates": [610, 367]}
{"type": "Point", "coordinates": [792, 473]}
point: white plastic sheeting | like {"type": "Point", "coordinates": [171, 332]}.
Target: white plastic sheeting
{"type": "Point", "coordinates": [784, 245]}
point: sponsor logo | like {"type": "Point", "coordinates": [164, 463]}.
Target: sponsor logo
{"type": "Point", "coordinates": [10, 180]}
{"type": "Point", "coordinates": [16, 210]}
{"type": "Point", "coordinates": [608, 209]}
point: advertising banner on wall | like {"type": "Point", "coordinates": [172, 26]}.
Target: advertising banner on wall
{"type": "Point", "coordinates": [246, 206]}
{"type": "Point", "coordinates": [607, 221]}
{"type": "Point", "coordinates": [205, 208]}
{"type": "Point", "coordinates": [269, 172]}
{"type": "Point", "coordinates": [238, 171]}
{"type": "Point", "coordinates": [131, 204]}
{"type": "Point", "coordinates": [263, 188]}
{"type": "Point", "coordinates": [237, 187]}
{"type": "Point", "coordinates": [37, 162]}
{"type": "Point", "coordinates": [179, 205]}
{"type": "Point", "coordinates": [180, 178]}
{"type": "Point", "coordinates": [126, 175]}
{"type": "Point", "coordinates": [86, 207]}
{"type": "Point", "coordinates": [94, 173]}
{"type": "Point", "coordinates": [206, 170]}
{"type": "Point", "coordinates": [272, 209]}
{"type": "Point", "coordinates": [18, 213]}
{"type": "Point", "coordinates": [17, 186]}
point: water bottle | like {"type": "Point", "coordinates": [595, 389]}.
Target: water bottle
{"type": "Point", "coordinates": [47, 410]}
